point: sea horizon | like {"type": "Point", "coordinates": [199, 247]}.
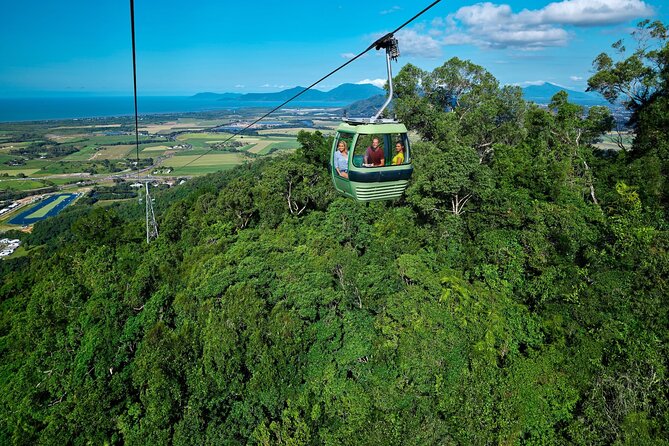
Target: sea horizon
{"type": "Point", "coordinates": [83, 107]}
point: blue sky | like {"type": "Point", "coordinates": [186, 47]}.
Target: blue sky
{"type": "Point", "coordinates": [84, 47]}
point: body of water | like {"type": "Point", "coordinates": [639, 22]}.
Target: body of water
{"type": "Point", "coordinates": [40, 109]}
{"type": "Point", "coordinates": [24, 218]}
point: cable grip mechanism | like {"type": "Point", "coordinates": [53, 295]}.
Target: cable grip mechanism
{"type": "Point", "coordinates": [389, 43]}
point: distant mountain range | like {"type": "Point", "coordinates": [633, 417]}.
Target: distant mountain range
{"type": "Point", "coordinates": [542, 94]}
{"type": "Point", "coordinates": [363, 97]}
{"type": "Point", "coordinates": [215, 96]}
{"type": "Point", "coordinates": [345, 93]}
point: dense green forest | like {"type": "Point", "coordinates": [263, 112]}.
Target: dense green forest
{"type": "Point", "coordinates": [517, 294]}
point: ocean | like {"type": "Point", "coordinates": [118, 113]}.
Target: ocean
{"type": "Point", "coordinates": [40, 109]}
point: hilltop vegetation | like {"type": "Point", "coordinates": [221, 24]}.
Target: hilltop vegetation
{"type": "Point", "coordinates": [516, 295]}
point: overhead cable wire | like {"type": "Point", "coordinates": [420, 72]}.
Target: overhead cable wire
{"type": "Point", "coordinates": [134, 79]}
{"type": "Point", "coordinates": [375, 45]}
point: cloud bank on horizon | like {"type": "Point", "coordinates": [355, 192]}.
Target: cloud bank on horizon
{"type": "Point", "coordinates": [496, 26]}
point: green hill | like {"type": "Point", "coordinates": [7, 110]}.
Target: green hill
{"type": "Point", "coordinates": [516, 295]}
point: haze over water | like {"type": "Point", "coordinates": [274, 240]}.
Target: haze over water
{"type": "Point", "coordinates": [36, 109]}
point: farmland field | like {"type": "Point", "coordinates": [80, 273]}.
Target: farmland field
{"type": "Point", "coordinates": [104, 148]}
{"type": "Point", "coordinates": [21, 185]}
{"type": "Point", "coordinates": [113, 153]}
{"type": "Point", "coordinates": [24, 170]}
{"type": "Point", "coordinates": [280, 145]}
{"type": "Point", "coordinates": [209, 163]}
{"type": "Point", "coordinates": [285, 131]}
{"type": "Point", "coordinates": [9, 145]}
{"type": "Point", "coordinates": [609, 141]}
{"type": "Point", "coordinates": [260, 146]}
{"type": "Point", "coordinates": [182, 124]}
{"type": "Point", "coordinates": [160, 148]}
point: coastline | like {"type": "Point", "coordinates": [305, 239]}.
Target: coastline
{"type": "Point", "coordinates": [62, 108]}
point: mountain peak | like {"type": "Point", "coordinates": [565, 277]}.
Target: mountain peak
{"type": "Point", "coordinates": [341, 94]}
{"type": "Point", "coordinates": [542, 94]}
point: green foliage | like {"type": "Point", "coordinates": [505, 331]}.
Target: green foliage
{"type": "Point", "coordinates": [447, 178]}
{"type": "Point", "coordinates": [642, 80]}
{"type": "Point", "coordinates": [314, 149]}
{"type": "Point", "coordinates": [516, 295]}
{"type": "Point", "coordinates": [460, 103]}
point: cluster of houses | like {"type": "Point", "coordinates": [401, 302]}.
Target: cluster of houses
{"type": "Point", "coordinates": [9, 208]}
{"type": "Point", "coordinates": [8, 246]}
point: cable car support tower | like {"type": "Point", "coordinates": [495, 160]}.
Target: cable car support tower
{"type": "Point", "coordinates": [151, 225]}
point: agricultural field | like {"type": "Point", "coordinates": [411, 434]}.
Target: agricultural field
{"type": "Point", "coordinates": [8, 144]}
{"type": "Point", "coordinates": [64, 153]}
{"type": "Point", "coordinates": [258, 145]}
{"type": "Point", "coordinates": [284, 131]}
{"type": "Point", "coordinates": [181, 124]}
{"type": "Point", "coordinates": [21, 185]}
{"type": "Point", "coordinates": [202, 164]}
{"type": "Point", "coordinates": [610, 141]}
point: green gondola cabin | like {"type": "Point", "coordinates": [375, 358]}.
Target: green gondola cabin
{"type": "Point", "coordinates": [363, 180]}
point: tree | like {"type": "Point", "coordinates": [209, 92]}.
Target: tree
{"type": "Point", "coordinates": [640, 77]}
{"type": "Point", "coordinates": [446, 180]}
{"type": "Point", "coordinates": [573, 134]}
{"type": "Point", "coordinates": [314, 148]}
{"type": "Point", "coordinates": [460, 103]}
{"type": "Point", "coordinates": [641, 81]}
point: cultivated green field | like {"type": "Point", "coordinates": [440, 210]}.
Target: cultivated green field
{"type": "Point", "coordinates": [208, 163]}
{"type": "Point", "coordinates": [281, 145]}
{"type": "Point", "coordinates": [21, 185]}
{"type": "Point", "coordinates": [101, 153]}
{"type": "Point", "coordinates": [28, 171]}
{"type": "Point", "coordinates": [609, 141]}
{"type": "Point", "coordinates": [260, 146]}
{"type": "Point", "coordinates": [9, 144]}
{"type": "Point", "coordinates": [284, 131]}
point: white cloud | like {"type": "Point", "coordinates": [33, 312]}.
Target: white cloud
{"type": "Point", "coordinates": [538, 83]}
{"type": "Point", "coordinates": [530, 83]}
{"type": "Point", "coordinates": [378, 82]}
{"type": "Point", "coordinates": [594, 12]}
{"type": "Point", "coordinates": [348, 55]}
{"type": "Point", "coordinates": [273, 86]}
{"type": "Point", "coordinates": [391, 10]}
{"type": "Point", "coordinates": [491, 25]}
{"type": "Point", "coordinates": [576, 78]}
{"type": "Point", "coordinates": [412, 43]}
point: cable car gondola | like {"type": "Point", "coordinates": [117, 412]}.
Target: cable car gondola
{"type": "Point", "coordinates": [386, 175]}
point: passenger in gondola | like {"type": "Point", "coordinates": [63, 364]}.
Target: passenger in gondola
{"type": "Point", "coordinates": [399, 158]}
{"type": "Point", "coordinates": [341, 159]}
{"type": "Point", "coordinates": [374, 156]}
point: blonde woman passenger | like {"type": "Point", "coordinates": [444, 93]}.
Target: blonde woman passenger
{"type": "Point", "coordinates": [341, 159]}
